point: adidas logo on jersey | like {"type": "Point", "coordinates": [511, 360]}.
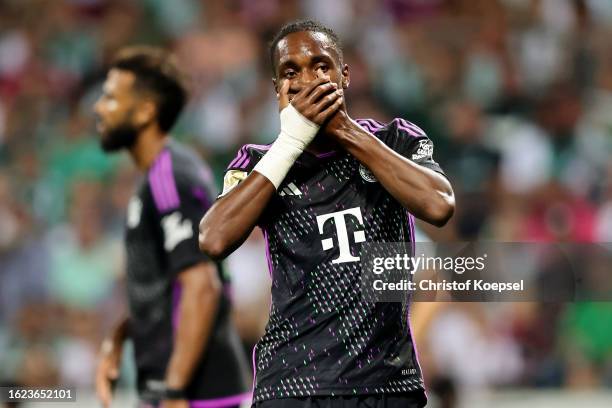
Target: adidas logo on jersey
{"type": "Point", "coordinates": [291, 190]}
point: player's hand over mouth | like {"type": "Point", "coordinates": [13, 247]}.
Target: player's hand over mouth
{"type": "Point", "coordinates": [316, 101]}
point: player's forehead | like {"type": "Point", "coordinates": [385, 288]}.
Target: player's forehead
{"type": "Point", "coordinates": [304, 45]}
{"type": "Point", "coordinates": [118, 81]}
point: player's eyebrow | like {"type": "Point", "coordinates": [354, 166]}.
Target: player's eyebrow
{"type": "Point", "coordinates": [290, 63]}
{"type": "Point", "coordinates": [287, 63]}
{"type": "Point", "coordinates": [321, 58]}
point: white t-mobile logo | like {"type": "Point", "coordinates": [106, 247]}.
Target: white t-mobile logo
{"type": "Point", "coordinates": [343, 239]}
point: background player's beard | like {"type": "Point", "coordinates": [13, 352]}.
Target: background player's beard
{"type": "Point", "coordinates": [120, 137]}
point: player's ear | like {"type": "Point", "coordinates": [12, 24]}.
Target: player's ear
{"type": "Point", "coordinates": [346, 77]}
{"type": "Point", "coordinates": [146, 112]}
{"type": "Point", "coordinates": [276, 89]}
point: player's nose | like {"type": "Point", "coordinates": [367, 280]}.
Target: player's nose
{"type": "Point", "coordinates": [302, 81]}
{"type": "Point", "coordinates": [97, 108]}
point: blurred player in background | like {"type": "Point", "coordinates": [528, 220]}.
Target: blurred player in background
{"type": "Point", "coordinates": [187, 351]}
{"type": "Point", "coordinates": [327, 184]}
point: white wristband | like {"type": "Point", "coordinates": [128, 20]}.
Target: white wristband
{"type": "Point", "coordinates": [296, 133]}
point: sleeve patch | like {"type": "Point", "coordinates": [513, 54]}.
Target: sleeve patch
{"type": "Point", "coordinates": [176, 230]}
{"type": "Point", "coordinates": [231, 179]}
{"type": "Point", "coordinates": [424, 150]}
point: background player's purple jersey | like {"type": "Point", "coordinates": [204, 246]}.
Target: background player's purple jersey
{"type": "Point", "coordinates": [161, 240]}
{"type": "Point", "coordinates": [322, 339]}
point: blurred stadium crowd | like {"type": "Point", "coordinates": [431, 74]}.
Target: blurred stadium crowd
{"type": "Point", "coordinates": [515, 94]}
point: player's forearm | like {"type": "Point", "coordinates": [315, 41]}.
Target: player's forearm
{"type": "Point", "coordinates": [118, 334]}
{"type": "Point", "coordinates": [425, 193]}
{"type": "Point", "coordinates": [232, 218]}
{"type": "Point", "coordinates": [196, 315]}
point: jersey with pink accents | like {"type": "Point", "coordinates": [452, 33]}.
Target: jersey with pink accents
{"type": "Point", "coordinates": [322, 338]}
{"type": "Point", "coordinates": [162, 240]}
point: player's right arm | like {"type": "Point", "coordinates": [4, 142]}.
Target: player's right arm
{"type": "Point", "coordinates": [110, 361]}
{"type": "Point", "coordinates": [232, 217]}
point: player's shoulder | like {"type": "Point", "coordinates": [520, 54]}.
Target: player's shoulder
{"type": "Point", "coordinates": [177, 170]}
{"type": "Point", "coordinates": [247, 156]}
{"type": "Point", "coordinates": [397, 126]}
{"type": "Point", "coordinates": [242, 164]}
{"type": "Point", "coordinates": [184, 158]}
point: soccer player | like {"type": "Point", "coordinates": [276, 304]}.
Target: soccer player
{"type": "Point", "coordinates": [186, 349]}
{"type": "Point", "coordinates": [327, 185]}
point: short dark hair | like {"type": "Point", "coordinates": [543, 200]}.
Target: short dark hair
{"type": "Point", "coordinates": [304, 25]}
{"type": "Point", "coordinates": [156, 71]}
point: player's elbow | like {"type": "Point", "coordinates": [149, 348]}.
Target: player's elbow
{"type": "Point", "coordinates": [211, 243]}
{"type": "Point", "coordinates": [213, 246]}
{"type": "Point", "coordinates": [441, 209]}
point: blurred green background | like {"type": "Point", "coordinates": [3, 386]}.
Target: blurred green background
{"type": "Point", "coordinates": [515, 94]}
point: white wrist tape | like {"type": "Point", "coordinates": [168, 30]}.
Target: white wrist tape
{"type": "Point", "coordinates": [296, 133]}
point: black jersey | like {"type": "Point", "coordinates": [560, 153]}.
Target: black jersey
{"type": "Point", "coordinates": [321, 338]}
{"type": "Point", "coordinates": [162, 240]}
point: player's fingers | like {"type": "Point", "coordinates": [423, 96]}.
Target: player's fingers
{"type": "Point", "coordinates": [312, 85]}
{"type": "Point", "coordinates": [283, 95]}
{"type": "Point", "coordinates": [327, 100]}
{"type": "Point", "coordinates": [113, 368]}
{"type": "Point", "coordinates": [327, 113]}
{"type": "Point", "coordinates": [321, 91]}
{"type": "Point", "coordinates": [103, 390]}
{"type": "Point", "coordinates": [113, 373]}
{"type": "Point", "coordinates": [99, 376]}
{"type": "Point", "coordinates": [108, 370]}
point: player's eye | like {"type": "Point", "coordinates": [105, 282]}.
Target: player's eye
{"type": "Point", "coordinates": [289, 74]}
{"type": "Point", "coordinates": [322, 67]}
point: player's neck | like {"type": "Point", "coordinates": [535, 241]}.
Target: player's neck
{"type": "Point", "coordinates": [149, 144]}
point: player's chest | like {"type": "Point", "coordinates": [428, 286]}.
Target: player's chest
{"type": "Point", "coordinates": [140, 222]}
{"type": "Point", "coordinates": [339, 198]}
{"type": "Point", "coordinates": [339, 182]}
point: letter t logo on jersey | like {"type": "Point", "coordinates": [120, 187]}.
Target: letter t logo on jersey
{"type": "Point", "coordinates": [343, 238]}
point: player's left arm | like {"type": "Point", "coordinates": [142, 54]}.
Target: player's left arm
{"type": "Point", "coordinates": [200, 293]}
{"type": "Point", "coordinates": [197, 284]}
{"type": "Point", "coordinates": [424, 192]}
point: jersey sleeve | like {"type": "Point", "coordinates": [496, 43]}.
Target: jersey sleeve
{"type": "Point", "coordinates": [412, 142]}
{"type": "Point", "coordinates": [180, 205]}
{"type": "Point", "coordinates": [241, 166]}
